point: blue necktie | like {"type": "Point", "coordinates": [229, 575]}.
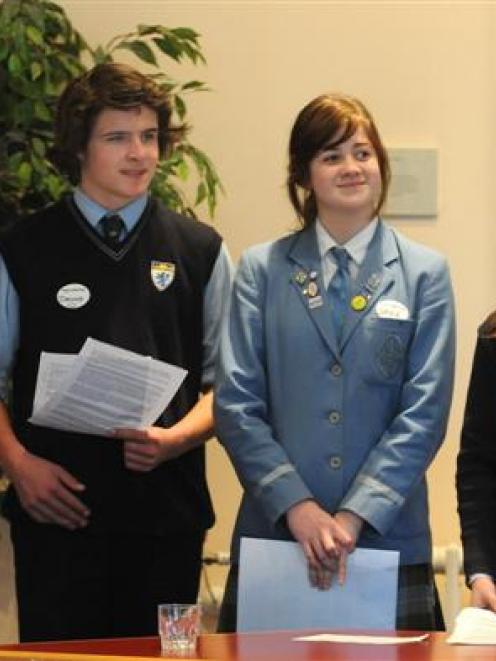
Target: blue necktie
{"type": "Point", "coordinates": [339, 289]}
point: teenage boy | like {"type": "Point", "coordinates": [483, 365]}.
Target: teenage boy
{"type": "Point", "coordinates": [104, 529]}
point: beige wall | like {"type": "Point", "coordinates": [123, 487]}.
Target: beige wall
{"type": "Point", "coordinates": [426, 71]}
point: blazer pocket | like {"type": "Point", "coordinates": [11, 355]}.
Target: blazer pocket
{"type": "Point", "coordinates": [387, 342]}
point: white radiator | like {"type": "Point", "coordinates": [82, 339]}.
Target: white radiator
{"type": "Point", "coordinates": [448, 560]}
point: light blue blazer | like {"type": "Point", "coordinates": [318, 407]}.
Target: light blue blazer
{"type": "Point", "coordinates": [353, 425]}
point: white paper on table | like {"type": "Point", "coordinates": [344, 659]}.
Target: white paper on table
{"type": "Point", "coordinates": [274, 591]}
{"type": "Point", "coordinates": [362, 640]}
{"type": "Point", "coordinates": [104, 387]}
{"type": "Point", "coordinates": [474, 626]}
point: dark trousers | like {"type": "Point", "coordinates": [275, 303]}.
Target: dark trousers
{"type": "Point", "coordinates": [80, 585]}
{"type": "Point", "coordinates": [418, 606]}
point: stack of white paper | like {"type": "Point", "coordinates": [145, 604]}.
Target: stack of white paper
{"type": "Point", "coordinates": [474, 626]}
{"type": "Point", "coordinates": [101, 389]}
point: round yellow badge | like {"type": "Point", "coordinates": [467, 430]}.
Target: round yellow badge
{"type": "Point", "coordinates": [358, 303]}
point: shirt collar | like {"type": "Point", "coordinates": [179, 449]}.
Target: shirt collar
{"type": "Point", "coordinates": [92, 211]}
{"type": "Point", "coordinates": [356, 246]}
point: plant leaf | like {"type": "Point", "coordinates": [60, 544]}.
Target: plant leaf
{"type": "Point", "coordinates": [180, 106]}
{"type": "Point", "coordinates": [186, 33]}
{"type": "Point", "coordinates": [24, 172]}
{"type": "Point", "coordinates": [56, 185]}
{"type": "Point", "coordinates": [182, 170]}
{"type": "Point", "coordinates": [144, 30]}
{"type": "Point", "coordinates": [169, 47]}
{"type": "Point", "coordinates": [39, 147]}
{"type": "Point", "coordinates": [41, 111]}
{"type": "Point", "coordinates": [100, 56]}
{"type": "Point", "coordinates": [141, 49]}
{"type": "Point", "coordinates": [14, 64]}
{"type": "Point", "coordinates": [15, 161]}
{"type": "Point", "coordinates": [34, 35]}
{"type": "Point", "coordinates": [201, 193]}
{"type": "Point", "coordinates": [36, 70]}
{"type": "Point", "coordinates": [196, 85]}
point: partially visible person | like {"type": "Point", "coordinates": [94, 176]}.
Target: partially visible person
{"type": "Point", "coordinates": [476, 472]}
{"type": "Point", "coordinates": [104, 529]}
{"type": "Point", "coordinates": [336, 369]}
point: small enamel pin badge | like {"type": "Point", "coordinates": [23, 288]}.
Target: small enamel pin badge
{"type": "Point", "coordinates": [312, 289]}
{"type": "Point", "coordinates": [300, 277]}
{"type": "Point", "coordinates": [309, 287]}
{"type": "Point", "coordinates": [373, 282]}
{"type": "Point", "coordinates": [162, 274]}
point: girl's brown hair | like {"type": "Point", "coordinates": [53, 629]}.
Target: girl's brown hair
{"type": "Point", "coordinates": [328, 120]}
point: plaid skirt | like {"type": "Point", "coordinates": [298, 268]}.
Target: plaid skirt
{"type": "Point", "coordinates": [418, 606]}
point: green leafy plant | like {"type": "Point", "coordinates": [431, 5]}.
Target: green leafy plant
{"type": "Point", "coordinates": [40, 52]}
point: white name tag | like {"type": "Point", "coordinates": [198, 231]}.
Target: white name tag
{"type": "Point", "coordinates": [391, 310]}
{"type": "Point", "coordinates": [73, 296]}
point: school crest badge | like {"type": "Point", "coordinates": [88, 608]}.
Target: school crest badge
{"type": "Point", "coordinates": [390, 356]}
{"type": "Point", "coordinates": [162, 274]}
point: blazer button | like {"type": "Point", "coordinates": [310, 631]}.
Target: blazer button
{"type": "Point", "coordinates": [335, 462]}
{"type": "Point", "coordinates": [334, 417]}
{"type": "Point", "coordinates": [336, 369]}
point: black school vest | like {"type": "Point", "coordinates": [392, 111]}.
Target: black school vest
{"type": "Point", "coordinates": [56, 247]}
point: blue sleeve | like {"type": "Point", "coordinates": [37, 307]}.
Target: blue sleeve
{"type": "Point", "coordinates": [9, 327]}
{"type": "Point", "coordinates": [241, 405]}
{"type": "Point", "coordinates": [214, 309]}
{"type": "Point", "coordinates": [400, 459]}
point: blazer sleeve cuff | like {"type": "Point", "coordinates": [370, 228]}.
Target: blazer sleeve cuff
{"type": "Point", "coordinates": [280, 490]}
{"type": "Point", "coordinates": [374, 501]}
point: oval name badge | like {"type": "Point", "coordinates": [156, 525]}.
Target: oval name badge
{"type": "Point", "coordinates": [390, 309]}
{"type": "Point", "coordinates": [73, 296]}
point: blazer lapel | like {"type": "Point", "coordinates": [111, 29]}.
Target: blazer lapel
{"type": "Point", "coordinates": [306, 278]}
{"type": "Point", "coordinates": [374, 278]}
